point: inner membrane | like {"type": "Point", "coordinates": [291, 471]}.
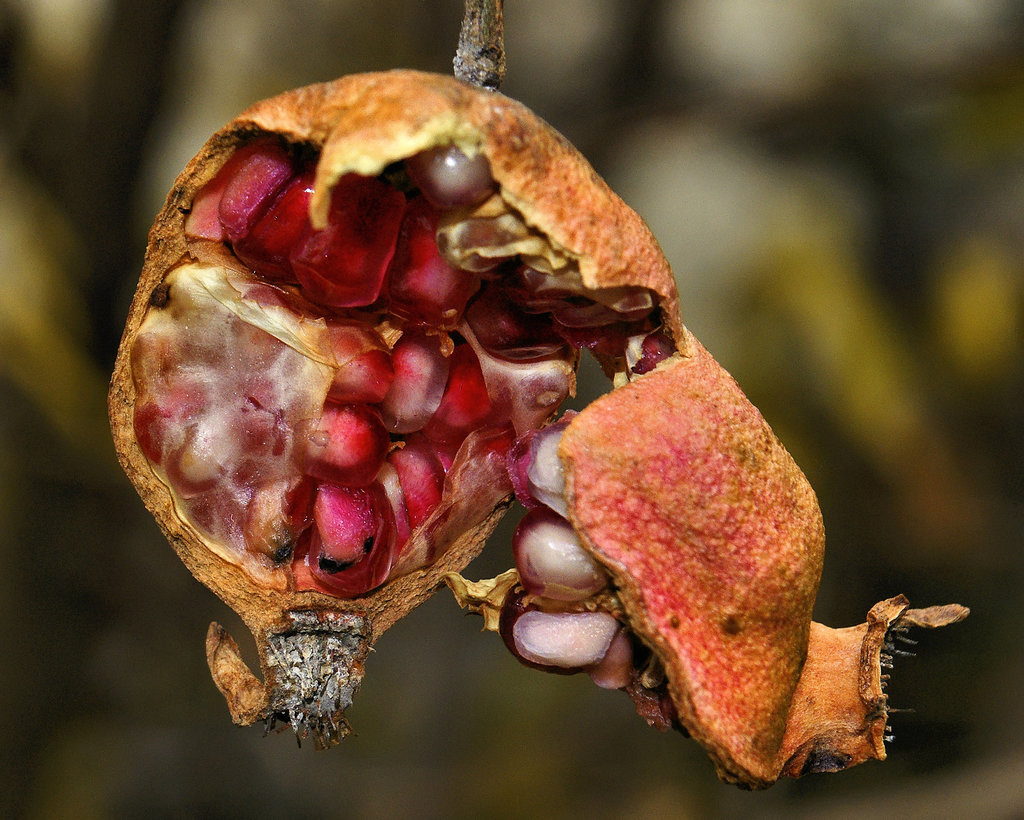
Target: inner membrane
{"type": "Point", "coordinates": [339, 405]}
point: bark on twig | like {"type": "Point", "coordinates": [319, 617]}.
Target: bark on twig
{"type": "Point", "coordinates": [480, 57]}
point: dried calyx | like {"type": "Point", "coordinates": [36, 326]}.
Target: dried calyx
{"type": "Point", "coordinates": [361, 309]}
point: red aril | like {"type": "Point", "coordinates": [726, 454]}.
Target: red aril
{"type": "Point", "coordinates": [268, 245]}
{"type": "Point", "coordinates": [350, 550]}
{"type": "Point", "coordinates": [423, 287]}
{"type": "Point", "coordinates": [422, 477]}
{"type": "Point", "coordinates": [260, 172]}
{"type": "Point", "coordinates": [465, 404]}
{"type": "Point", "coordinates": [348, 445]}
{"type": "Point", "coordinates": [365, 371]}
{"type": "Point", "coordinates": [344, 264]}
{"type": "Point", "coordinates": [504, 329]}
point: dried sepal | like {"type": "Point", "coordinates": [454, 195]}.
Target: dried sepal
{"type": "Point", "coordinates": [839, 713]}
{"type": "Point", "coordinates": [485, 597]}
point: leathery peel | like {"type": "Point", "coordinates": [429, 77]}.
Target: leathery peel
{"type": "Point", "coordinates": [674, 484]}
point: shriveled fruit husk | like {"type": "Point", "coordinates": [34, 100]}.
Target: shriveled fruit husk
{"type": "Point", "coordinates": [675, 483]}
{"type": "Point", "coordinates": [364, 124]}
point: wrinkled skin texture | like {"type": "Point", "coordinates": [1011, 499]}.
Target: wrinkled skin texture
{"type": "Point", "coordinates": [362, 124]}
{"type": "Point", "coordinates": [675, 484]}
{"type": "Point", "coordinates": [715, 541]}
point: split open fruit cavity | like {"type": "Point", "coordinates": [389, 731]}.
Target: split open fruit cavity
{"type": "Point", "coordinates": [360, 314]}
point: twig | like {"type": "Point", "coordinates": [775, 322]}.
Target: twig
{"type": "Point", "coordinates": [480, 57]}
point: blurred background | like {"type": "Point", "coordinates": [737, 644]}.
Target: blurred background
{"type": "Point", "coordinates": [839, 185]}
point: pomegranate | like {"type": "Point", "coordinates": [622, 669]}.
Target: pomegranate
{"type": "Point", "coordinates": [360, 311]}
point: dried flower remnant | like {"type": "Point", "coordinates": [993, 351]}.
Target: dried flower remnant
{"type": "Point", "coordinates": [361, 309]}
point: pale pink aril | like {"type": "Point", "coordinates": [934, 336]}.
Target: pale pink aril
{"type": "Point", "coordinates": [551, 560]}
{"type": "Point", "coordinates": [203, 220]}
{"type": "Point", "coordinates": [569, 640]}
{"type": "Point", "coordinates": [615, 669]}
{"type": "Point", "coordinates": [449, 178]}
{"type": "Point", "coordinates": [540, 481]}
{"type": "Point", "coordinates": [390, 483]}
{"type": "Point", "coordinates": [420, 375]}
{"type": "Point", "coordinates": [271, 524]}
{"type": "Point", "coordinates": [545, 474]}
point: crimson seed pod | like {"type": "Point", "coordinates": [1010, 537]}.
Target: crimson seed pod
{"type": "Point", "coordinates": [294, 329]}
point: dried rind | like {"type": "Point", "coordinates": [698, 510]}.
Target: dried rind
{"type": "Point", "coordinates": [715, 541]}
{"type": "Point", "coordinates": [363, 123]}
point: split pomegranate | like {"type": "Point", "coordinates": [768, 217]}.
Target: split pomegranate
{"type": "Point", "coordinates": [361, 310]}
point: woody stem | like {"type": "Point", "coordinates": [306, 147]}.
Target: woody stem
{"type": "Point", "coordinates": [480, 57]}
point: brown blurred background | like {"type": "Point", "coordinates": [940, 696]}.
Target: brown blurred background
{"type": "Point", "coordinates": [839, 185]}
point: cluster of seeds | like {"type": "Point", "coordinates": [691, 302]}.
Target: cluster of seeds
{"type": "Point", "coordinates": [557, 618]}
{"type": "Point", "coordinates": [342, 400]}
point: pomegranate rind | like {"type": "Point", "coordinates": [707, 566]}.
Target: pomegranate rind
{"type": "Point", "coordinates": [361, 124]}
{"type": "Point", "coordinates": [715, 542]}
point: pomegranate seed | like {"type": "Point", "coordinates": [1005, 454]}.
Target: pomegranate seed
{"type": "Point", "coordinates": [268, 245]}
{"type": "Point", "coordinates": [569, 640]}
{"type": "Point", "coordinates": [348, 446]}
{"type": "Point", "coordinates": [535, 469]}
{"type": "Point", "coordinates": [422, 478]}
{"type": "Point", "coordinates": [269, 525]}
{"type": "Point", "coordinates": [503, 329]}
{"type": "Point", "coordinates": [648, 351]}
{"type": "Point", "coordinates": [365, 371]}
{"type": "Point", "coordinates": [423, 287]}
{"type": "Point", "coordinates": [551, 561]}
{"type": "Point", "coordinates": [350, 550]}
{"type": "Point", "coordinates": [465, 404]}
{"type": "Point", "coordinates": [392, 486]}
{"type": "Point", "coordinates": [258, 172]}
{"type": "Point", "coordinates": [344, 264]}
{"type": "Point", "coordinates": [450, 179]}
{"type": "Point", "coordinates": [615, 670]}
{"type": "Point", "coordinates": [299, 504]}
{"type": "Point", "coordinates": [421, 373]}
